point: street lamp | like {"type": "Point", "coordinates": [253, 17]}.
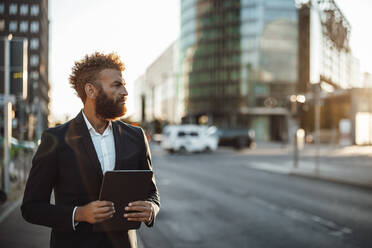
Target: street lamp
{"type": "Point", "coordinates": [296, 109]}
{"type": "Point", "coordinates": [7, 114]}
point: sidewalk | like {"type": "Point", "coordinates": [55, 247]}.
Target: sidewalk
{"type": "Point", "coordinates": [349, 165]}
{"type": "Point", "coordinates": [310, 150]}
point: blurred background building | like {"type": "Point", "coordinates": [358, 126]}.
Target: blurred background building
{"type": "Point", "coordinates": [241, 63]}
{"type": "Point", "coordinates": [156, 91]}
{"type": "Point", "coordinates": [28, 20]}
{"type": "Point", "coordinates": [330, 78]}
{"type": "Point", "coordinates": [238, 61]}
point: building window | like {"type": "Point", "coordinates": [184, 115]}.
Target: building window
{"type": "Point", "coordinates": [13, 9]}
{"type": "Point", "coordinates": [34, 75]}
{"type": "Point", "coordinates": [24, 9]}
{"type": "Point", "coordinates": [13, 26]}
{"type": "Point", "coordinates": [34, 43]}
{"type": "Point", "coordinates": [34, 10]}
{"type": "Point", "coordinates": [1, 8]}
{"type": "Point", "coordinates": [34, 60]}
{"type": "Point", "coordinates": [34, 28]}
{"type": "Point", "coordinates": [2, 25]}
{"type": "Point", "coordinates": [23, 26]}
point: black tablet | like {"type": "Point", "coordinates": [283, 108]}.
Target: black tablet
{"type": "Point", "coordinates": [122, 187]}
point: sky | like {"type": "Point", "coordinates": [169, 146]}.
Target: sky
{"type": "Point", "coordinates": [139, 31]}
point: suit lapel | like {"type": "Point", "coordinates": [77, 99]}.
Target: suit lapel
{"type": "Point", "coordinates": [84, 138]}
{"type": "Point", "coordinates": [118, 143]}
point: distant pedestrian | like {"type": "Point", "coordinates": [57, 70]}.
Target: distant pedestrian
{"type": "Point", "coordinates": [72, 158]}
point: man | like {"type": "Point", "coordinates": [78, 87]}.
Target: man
{"type": "Point", "coordinates": [72, 158]}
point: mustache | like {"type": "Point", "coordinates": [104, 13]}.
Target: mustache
{"type": "Point", "coordinates": [123, 98]}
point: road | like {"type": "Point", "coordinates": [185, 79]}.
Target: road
{"type": "Point", "coordinates": [222, 199]}
{"type": "Point", "coordinates": [219, 200]}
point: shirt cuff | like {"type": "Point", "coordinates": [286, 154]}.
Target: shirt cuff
{"type": "Point", "coordinates": [74, 224]}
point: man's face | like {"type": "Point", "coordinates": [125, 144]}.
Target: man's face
{"type": "Point", "coordinates": [112, 94]}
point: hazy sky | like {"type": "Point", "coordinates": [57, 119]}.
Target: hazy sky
{"type": "Point", "coordinates": [139, 31]}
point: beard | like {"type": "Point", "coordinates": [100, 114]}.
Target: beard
{"type": "Point", "coordinates": [107, 108]}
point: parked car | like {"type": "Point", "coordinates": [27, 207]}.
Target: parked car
{"type": "Point", "coordinates": [236, 137]}
{"type": "Point", "coordinates": [189, 138]}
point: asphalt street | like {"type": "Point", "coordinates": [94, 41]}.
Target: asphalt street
{"type": "Point", "coordinates": [220, 200]}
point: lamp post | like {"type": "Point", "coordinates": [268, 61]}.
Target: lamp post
{"type": "Point", "coordinates": [7, 114]}
{"type": "Point", "coordinates": [296, 101]}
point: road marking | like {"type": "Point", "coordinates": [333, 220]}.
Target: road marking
{"type": "Point", "coordinates": [296, 214]}
{"type": "Point", "coordinates": [281, 169]}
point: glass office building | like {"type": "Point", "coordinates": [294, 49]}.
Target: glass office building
{"type": "Point", "coordinates": [238, 61]}
{"type": "Point", "coordinates": [29, 20]}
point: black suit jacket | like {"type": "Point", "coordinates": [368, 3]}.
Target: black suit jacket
{"type": "Point", "coordinates": [66, 162]}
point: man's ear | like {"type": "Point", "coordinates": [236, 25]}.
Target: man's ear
{"type": "Point", "coordinates": [90, 90]}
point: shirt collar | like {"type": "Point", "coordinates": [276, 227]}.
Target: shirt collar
{"type": "Point", "coordinates": [90, 127]}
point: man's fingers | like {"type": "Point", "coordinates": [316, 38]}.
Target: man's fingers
{"type": "Point", "coordinates": [136, 215]}
{"type": "Point", "coordinates": [138, 208]}
{"type": "Point", "coordinates": [103, 216]}
{"type": "Point", "coordinates": [101, 210]}
{"type": "Point", "coordinates": [138, 203]}
{"type": "Point", "coordinates": [104, 203]}
{"type": "Point", "coordinates": [139, 219]}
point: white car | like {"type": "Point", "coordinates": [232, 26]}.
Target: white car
{"type": "Point", "coordinates": [189, 138]}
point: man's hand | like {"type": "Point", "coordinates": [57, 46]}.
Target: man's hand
{"type": "Point", "coordinates": [95, 212]}
{"type": "Point", "coordinates": [144, 211]}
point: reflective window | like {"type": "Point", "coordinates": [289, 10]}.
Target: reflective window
{"type": "Point", "coordinates": [34, 28]}
{"type": "Point", "coordinates": [13, 26]}
{"type": "Point", "coordinates": [1, 8]}
{"type": "Point", "coordinates": [249, 13]}
{"type": "Point", "coordinates": [34, 60]}
{"type": "Point", "coordinates": [34, 75]}
{"type": "Point", "coordinates": [187, 4]}
{"type": "Point", "coordinates": [24, 9]}
{"type": "Point", "coordinates": [34, 10]}
{"type": "Point", "coordinates": [13, 9]}
{"type": "Point", "coordinates": [249, 28]}
{"type": "Point", "coordinates": [34, 43]}
{"type": "Point", "coordinates": [247, 2]}
{"type": "Point", "coordinates": [280, 3]}
{"type": "Point", "coordinates": [23, 26]}
{"type": "Point", "coordinates": [181, 134]}
{"type": "Point", "coordinates": [2, 25]}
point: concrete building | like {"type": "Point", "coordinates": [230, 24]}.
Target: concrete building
{"type": "Point", "coordinates": [367, 80]}
{"type": "Point", "coordinates": [156, 91]}
{"type": "Point", "coordinates": [329, 76]}
{"type": "Point", "coordinates": [29, 20]}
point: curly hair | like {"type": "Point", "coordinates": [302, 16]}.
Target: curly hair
{"type": "Point", "coordinates": [87, 70]}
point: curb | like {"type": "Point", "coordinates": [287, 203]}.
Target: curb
{"type": "Point", "coordinates": [331, 179]}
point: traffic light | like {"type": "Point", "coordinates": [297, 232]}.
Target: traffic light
{"type": "Point", "coordinates": [18, 67]}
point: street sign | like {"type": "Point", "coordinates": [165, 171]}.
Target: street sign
{"type": "Point", "coordinates": [9, 98]}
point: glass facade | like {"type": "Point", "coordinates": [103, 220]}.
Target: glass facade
{"type": "Point", "coordinates": [238, 56]}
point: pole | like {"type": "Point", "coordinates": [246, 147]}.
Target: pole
{"type": "Point", "coordinates": [317, 126]}
{"type": "Point", "coordinates": [7, 115]}
{"type": "Point", "coordinates": [295, 151]}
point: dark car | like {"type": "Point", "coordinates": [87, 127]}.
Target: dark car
{"type": "Point", "coordinates": [238, 138]}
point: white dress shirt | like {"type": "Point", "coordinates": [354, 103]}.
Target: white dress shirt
{"type": "Point", "coordinates": [104, 145]}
